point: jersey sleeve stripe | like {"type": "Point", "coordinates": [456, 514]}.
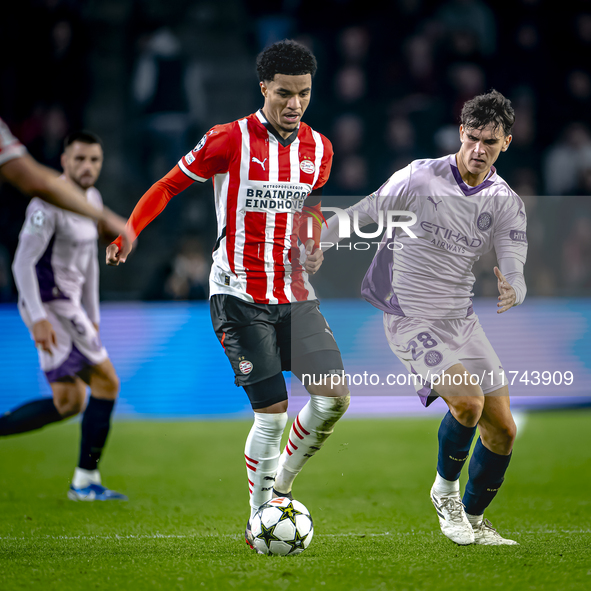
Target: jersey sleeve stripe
{"type": "Point", "coordinates": [294, 161]}
{"type": "Point", "coordinates": [318, 153]}
{"type": "Point", "coordinates": [190, 174]}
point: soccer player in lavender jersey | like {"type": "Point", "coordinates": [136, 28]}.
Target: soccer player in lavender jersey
{"type": "Point", "coordinates": [57, 276]}
{"type": "Point", "coordinates": [463, 209]}
{"type": "Point", "coordinates": [28, 176]}
{"type": "Point", "coordinates": [268, 169]}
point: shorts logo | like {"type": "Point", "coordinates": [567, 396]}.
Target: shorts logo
{"type": "Point", "coordinates": [189, 158]}
{"type": "Point", "coordinates": [200, 144]}
{"type": "Point", "coordinates": [307, 167]}
{"type": "Point", "coordinates": [485, 221]}
{"type": "Point", "coordinates": [433, 358]}
{"type": "Point", "coordinates": [245, 367]}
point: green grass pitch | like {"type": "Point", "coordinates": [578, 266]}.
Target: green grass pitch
{"type": "Point", "coordinates": [367, 490]}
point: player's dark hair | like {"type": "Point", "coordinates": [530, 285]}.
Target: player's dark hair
{"type": "Point", "coordinates": [84, 136]}
{"type": "Point", "coordinates": [285, 57]}
{"type": "Point", "coordinates": [484, 109]}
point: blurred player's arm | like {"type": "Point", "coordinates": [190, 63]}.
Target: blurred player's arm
{"type": "Point", "coordinates": [33, 242]}
{"type": "Point", "coordinates": [36, 180]}
{"type": "Point", "coordinates": [149, 207]}
{"type": "Point", "coordinates": [510, 244]}
{"type": "Point", "coordinates": [90, 290]}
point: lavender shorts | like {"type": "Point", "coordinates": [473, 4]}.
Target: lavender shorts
{"type": "Point", "coordinates": [78, 343]}
{"type": "Point", "coordinates": [429, 347]}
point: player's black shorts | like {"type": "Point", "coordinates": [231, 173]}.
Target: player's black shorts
{"type": "Point", "coordinates": [261, 340]}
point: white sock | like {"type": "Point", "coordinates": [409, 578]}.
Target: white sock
{"type": "Point", "coordinates": [309, 431]}
{"type": "Point", "coordinates": [474, 519]}
{"type": "Point", "coordinates": [446, 487]}
{"type": "Point", "coordinates": [83, 478]}
{"type": "Point", "coordinates": [262, 450]}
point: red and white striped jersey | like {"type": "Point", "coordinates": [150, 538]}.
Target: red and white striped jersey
{"type": "Point", "coordinates": [10, 147]}
{"type": "Point", "coordinates": [260, 183]}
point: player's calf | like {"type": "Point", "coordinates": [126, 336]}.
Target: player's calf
{"type": "Point", "coordinates": [29, 417]}
{"type": "Point", "coordinates": [261, 454]}
{"type": "Point", "coordinates": [467, 410]}
{"type": "Point", "coordinates": [313, 425]}
{"type": "Point", "coordinates": [95, 427]}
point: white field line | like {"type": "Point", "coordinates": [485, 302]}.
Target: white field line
{"type": "Point", "coordinates": [158, 536]}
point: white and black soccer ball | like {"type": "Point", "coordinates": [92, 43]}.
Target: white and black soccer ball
{"type": "Point", "coordinates": [282, 526]}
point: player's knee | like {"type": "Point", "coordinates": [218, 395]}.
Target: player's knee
{"type": "Point", "coordinates": [113, 386]}
{"type": "Point", "coordinates": [333, 384]}
{"type": "Point", "coordinates": [107, 387]}
{"type": "Point", "coordinates": [468, 409]}
{"type": "Point", "coordinates": [69, 407]}
{"type": "Point", "coordinates": [330, 408]}
{"type": "Point", "coordinates": [274, 409]}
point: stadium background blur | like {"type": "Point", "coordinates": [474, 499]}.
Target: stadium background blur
{"type": "Point", "coordinates": [150, 77]}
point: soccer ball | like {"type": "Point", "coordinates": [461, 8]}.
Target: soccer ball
{"type": "Point", "coordinates": [282, 526]}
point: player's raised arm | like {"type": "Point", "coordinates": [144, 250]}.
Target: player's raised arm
{"type": "Point", "coordinates": [208, 158]}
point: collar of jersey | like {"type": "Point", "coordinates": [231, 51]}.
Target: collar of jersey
{"type": "Point", "coordinates": [283, 141]}
{"type": "Point", "coordinates": [467, 189]}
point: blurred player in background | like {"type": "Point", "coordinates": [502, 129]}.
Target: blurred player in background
{"type": "Point", "coordinates": [268, 170]}
{"type": "Point", "coordinates": [57, 276]}
{"type": "Point", "coordinates": [463, 209]}
{"type": "Point", "coordinates": [28, 176]}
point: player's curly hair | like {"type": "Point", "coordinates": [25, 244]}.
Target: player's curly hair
{"type": "Point", "coordinates": [285, 57]}
{"type": "Point", "coordinates": [491, 107]}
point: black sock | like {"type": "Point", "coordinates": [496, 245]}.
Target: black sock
{"type": "Point", "coordinates": [95, 428]}
{"type": "Point", "coordinates": [487, 472]}
{"type": "Point", "coordinates": [30, 416]}
{"type": "Point", "coordinates": [454, 447]}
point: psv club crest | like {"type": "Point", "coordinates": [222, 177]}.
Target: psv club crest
{"type": "Point", "coordinates": [245, 367]}
{"type": "Point", "coordinates": [307, 167]}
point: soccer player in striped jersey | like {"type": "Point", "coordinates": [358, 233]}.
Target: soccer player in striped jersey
{"type": "Point", "coordinates": [463, 209]}
{"type": "Point", "coordinates": [268, 171]}
{"type": "Point", "coordinates": [56, 272]}
{"type": "Point", "coordinates": [31, 178]}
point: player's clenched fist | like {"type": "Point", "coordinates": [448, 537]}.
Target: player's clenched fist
{"type": "Point", "coordinates": [116, 255]}
{"type": "Point", "coordinates": [314, 258]}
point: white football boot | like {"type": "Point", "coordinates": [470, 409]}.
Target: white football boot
{"type": "Point", "coordinates": [486, 535]}
{"type": "Point", "coordinates": [452, 517]}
